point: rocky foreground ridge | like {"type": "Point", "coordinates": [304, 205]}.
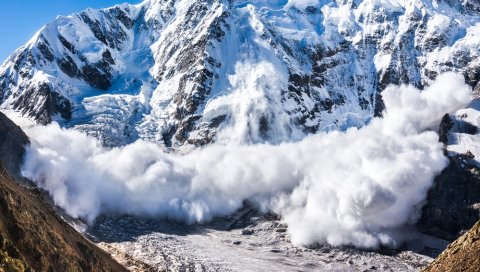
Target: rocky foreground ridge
{"type": "Point", "coordinates": [461, 255]}
{"type": "Point", "coordinates": [32, 235]}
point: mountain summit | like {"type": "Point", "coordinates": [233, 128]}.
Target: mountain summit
{"type": "Point", "coordinates": [178, 72]}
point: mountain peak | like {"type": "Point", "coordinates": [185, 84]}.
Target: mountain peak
{"type": "Point", "coordinates": [174, 72]}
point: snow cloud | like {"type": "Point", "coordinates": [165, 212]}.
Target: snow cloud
{"type": "Point", "coordinates": [357, 187]}
{"type": "Point", "coordinates": [302, 4]}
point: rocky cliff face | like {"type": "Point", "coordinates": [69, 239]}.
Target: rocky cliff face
{"type": "Point", "coordinates": [453, 204]}
{"type": "Point", "coordinates": [12, 146]}
{"type": "Point", "coordinates": [179, 72]}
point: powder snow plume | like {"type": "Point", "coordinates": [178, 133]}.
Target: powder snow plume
{"type": "Point", "coordinates": [358, 187]}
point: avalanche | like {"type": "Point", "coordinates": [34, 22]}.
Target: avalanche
{"type": "Point", "coordinates": [274, 102]}
{"type": "Point", "coordinates": [358, 187]}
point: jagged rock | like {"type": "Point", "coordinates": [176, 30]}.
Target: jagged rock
{"type": "Point", "coordinates": [453, 204]}
{"type": "Point", "coordinates": [445, 126]}
{"type": "Point", "coordinates": [52, 103]}
{"type": "Point", "coordinates": [12, 146]}
{"type": "Point", "coordinates": [160, 70]}
{"type": "Point", "coordinates": [10, 257]}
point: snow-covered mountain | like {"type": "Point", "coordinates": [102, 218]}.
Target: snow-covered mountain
{"type": "Point", "coordinates": [187, 72]}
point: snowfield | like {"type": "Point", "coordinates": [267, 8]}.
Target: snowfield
{"type": "Point", "coordinates": [177, 73]}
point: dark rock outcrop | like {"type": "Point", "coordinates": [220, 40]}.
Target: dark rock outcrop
{"type": "Point", "coordinates": [453, 204]}
{"type": "Point", "coordinates": [445, 125]}
{"type": "Point", "coordinates": [12, 146]}
{"type": "Point", "coordinates": [53, 103]}
{"type": "Point", "coordinates": [181, 59]}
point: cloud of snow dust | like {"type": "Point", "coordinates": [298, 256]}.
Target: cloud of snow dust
{"type": "Point", "coordinates": [253, 96]}
{"type": "Point", "coordinates": [357, 187]}
{"type": "Point", "coordinates": [302, 4]}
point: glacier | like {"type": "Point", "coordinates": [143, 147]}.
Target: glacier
{"type": "Point", "coordinates": [186, 73]}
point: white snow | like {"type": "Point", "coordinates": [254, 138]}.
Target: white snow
{"type": "Point", "coordinates": [461, 142]}
{"type": "Point", "coordinates": [281, 34]}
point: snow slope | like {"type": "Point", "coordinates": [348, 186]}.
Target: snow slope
{"type": "Point", "coordinates": [186, 73]}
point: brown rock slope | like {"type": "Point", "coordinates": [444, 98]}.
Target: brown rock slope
{"type": "Point", "coordinates": [462, 255]}
{"type": "Point", "coordinates": [32, 236]}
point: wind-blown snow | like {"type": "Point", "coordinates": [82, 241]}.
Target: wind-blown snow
{"type": "Point", "coordinates": [357, 187]}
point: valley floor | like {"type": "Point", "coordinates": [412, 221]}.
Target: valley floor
{"type": "Point", "coordinates": [246, 241]}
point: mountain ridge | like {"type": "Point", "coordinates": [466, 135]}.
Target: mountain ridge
{"type": "Point", "coordinates": [178, 73]}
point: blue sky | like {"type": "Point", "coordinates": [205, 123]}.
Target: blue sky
{"type": "Point", "coordinates": [20, 19]}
